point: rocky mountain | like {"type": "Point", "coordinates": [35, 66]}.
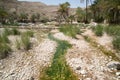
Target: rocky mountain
{"type": "Point", "coordinates": [49, 11]}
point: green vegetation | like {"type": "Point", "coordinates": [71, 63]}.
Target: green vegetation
{"type": "Point", "coordinates": [12, 31]}
{"type": "Point", "coordinates": [4, 37]}
{"type": "Point", "coordinates": [98, 30]}
{"type": "Point", "coordinates": [15, 31]}
{"type": "Point", "coordinates": [59, 70]}
{"type": "Point", "coordinates": [114, 31]}
{"type": "Point", "coordinates": [4, 47]}
{"type": "Point", "coordinates": [18, 44]}
{"type": "Point", "coordinates": [101, 48]}
{"type": "Point", "coordinates": [4, 50]}
{"type": "Point", "coordinates": [30, 33]}
{"type": "Point", "coordinates": [70, 30]}
{"type": "Point", "coordinates": [25, 39]}
{"type": "Point", "coordinates": [116, 43]}
{"type": "Point", "coordinates": [63, 12]}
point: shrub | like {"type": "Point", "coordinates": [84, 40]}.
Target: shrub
{"type": "Point", "coordinates": [98, 30]}
{"type": "Point", "coordinates": [15, 31]}
{"type": "Point", "coordinates": [116, 42]}
{"type": "Point", "coordinates": [18, 44]}
{"type": "Point", "coordinates": [70, 30]}
{"type": "Point", "coordinates": [4, 50]}
{"type": "Point", "coordinates": [25, 39]}
{"type": "Point", "coordinates": [113, 30]}
{"type": "Point", "coordinates": [4, 38]}
{"type": "Point", "coordinates": [30, 33]}
{"type": "Point", "coordinates": [7, 31]}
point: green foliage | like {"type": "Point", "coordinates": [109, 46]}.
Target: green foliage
{"type": "Point", "coordinates": [98, 30]}
{"type": "Point", "coordinates": [30, 33]}
{"type": "Point", "coordinates": [113, 30]}
{"type": "Point", "coordinates": [70, 30]}
{"type": "Point", "coordinates": [15, 31]}
{"type": "Point", "coordinates": [18, 44]}
{"type": "Point", "coordinates": [4, 37]}
{"type": "Point", "coordinates": [4, 50]}
{"type": "Point", "coordinates": [7, 31]}
{"type": "Point", "coordinates": [59, 70]}
{"type": "Point", "coordinates": [25, 39]}
{"type": "Point", "coordinates": [116, 43]}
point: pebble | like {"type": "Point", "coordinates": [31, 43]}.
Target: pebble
{"type": "Point", "coordinates": [117, 73]}
{"type": "Point", "coordinates": [83, 72]}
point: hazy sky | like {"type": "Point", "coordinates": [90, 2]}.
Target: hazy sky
{"type": "Point", "coordinates": [74, 3]}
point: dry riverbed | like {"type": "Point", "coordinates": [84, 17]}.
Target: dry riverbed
{"type": "Point", "coordinates": [87, 62]}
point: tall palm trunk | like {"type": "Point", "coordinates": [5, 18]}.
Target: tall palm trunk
{"type": "Point", "coordinates": [86, 19]}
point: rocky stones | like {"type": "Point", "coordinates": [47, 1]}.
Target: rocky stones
{"type": "Point", "coordinates": [78, 68]}
{"type": "Point", "coordinates": [83, 72]}
{"type": "Point", "coordinates": [114, 65]}
{"type": "Point", "coordinates": [117, 73]}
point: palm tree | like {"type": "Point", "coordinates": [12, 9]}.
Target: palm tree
{"type": "Point", "coordinates": [64, 11]}
{"type": "Point", "coordinates": [86, 18]}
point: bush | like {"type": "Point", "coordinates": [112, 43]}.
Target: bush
{"type": "Point", "coordinates": [14, 31]}
{"type": "Point", "coordinates": [25, 39]}
{"type": "Point", "coordinates": [70, 30]}
{"type": "Point", "coordinates": [98, 30]}
{"type": "Point", "coordinates": [7, 31]}
{"type": "Point", "coordinates": [113, 30]}
{"type": "Point", "coordinates": [4, 50]}
{"type": "Point", "coordinates": [30, 33]}
{"type": "Point", "coordinates": [18, 44]}
{"type": "Point", "coordinates": [116, 42]}
{"type": "Point", "coordinates": [4, 38]}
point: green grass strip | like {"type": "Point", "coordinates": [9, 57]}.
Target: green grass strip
{"type": "Point", "coordinates": [59, 70]}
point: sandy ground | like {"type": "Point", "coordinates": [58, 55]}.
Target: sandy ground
{"type": "Point", "coordinates": [88, 62]}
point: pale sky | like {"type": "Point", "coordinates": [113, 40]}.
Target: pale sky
{"type": "Point", "coordinates": [73, 3]}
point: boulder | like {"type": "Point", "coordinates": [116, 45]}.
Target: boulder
{"type": "Point", "coordinates": [114, 65]}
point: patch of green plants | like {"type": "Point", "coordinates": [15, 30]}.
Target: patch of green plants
{"type": "Point", "coordinates": [99, 30]}
{"type": "Point", "coordinates": [25, 39]}
{"type": "Point", "coordinates": [116, 43]}
{"type": "Point", "coordinates": [113, 30]}
{"type": "Point", "coordinates": [12, 31]}
{"type": "Point", "coordinates": [30, 33]}
{"type": "Point", "coordinates": [59, 70]}
{"type": "Point", "coordinates": [101, 48]}
{"type": "Point", "coordinates": [4, 37]}
{"type": "Point", "coordinates": [15, 31]}
{"type": "Point", "coordinates": [7, 31]}
{"type": "Point", "coordinates": [4, 50]}
{"type": "Point", "coordinates": [70, 30]}
{"type": "Point", "coordinates": [18, 44]}
{"type": "Point", "coordinates": [4, 47]}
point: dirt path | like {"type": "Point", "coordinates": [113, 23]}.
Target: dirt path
{"type": "Point", "coordinates": [88, 62]}
{"type": "Point", "coordinates": [27, 66]}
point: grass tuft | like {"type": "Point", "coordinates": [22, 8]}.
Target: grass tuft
{"type": "Point", "coordinates": [70, 30]}
{"type": "Point", "coordinates": [98, 30]}
{"type": "Point", "coordinates": [25, 39]}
